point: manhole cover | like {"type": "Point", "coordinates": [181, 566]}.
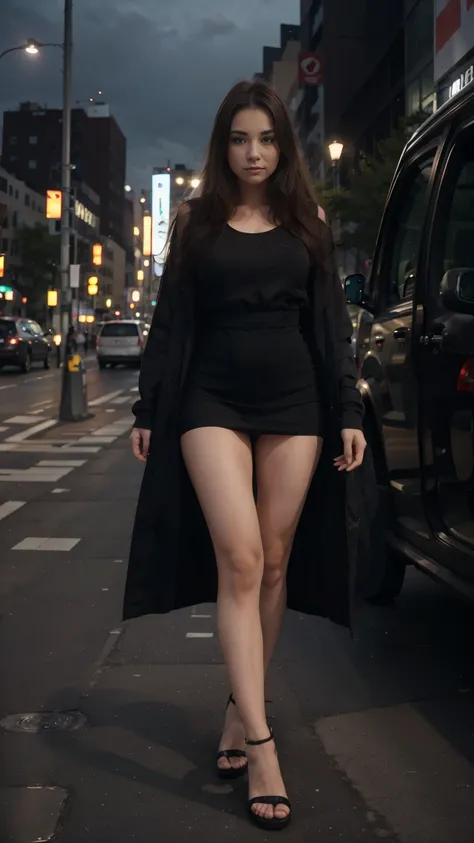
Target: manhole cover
{"type": "Point", "coordinates": [44, 721]}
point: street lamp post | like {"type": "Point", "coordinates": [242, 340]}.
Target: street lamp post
{"type": "Point", "coordinates": [66, 167]}
{"type": "Point", "coordinates": [335, 151]}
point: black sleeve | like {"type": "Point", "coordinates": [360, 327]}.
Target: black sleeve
{"type": "Point", "coordinates": [154, 356]}
{"type": "Point", "coordinates": [351, 406]}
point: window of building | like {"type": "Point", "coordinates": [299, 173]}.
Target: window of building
{"type": "Point", "coordinates": [33, 205]}
{"type": "Point", "coordinates": [5, 245]}
{"type": "Point", "coordinates": [3, 184]}
{"type": "Point", "coordinates": [32, 164]}
{"type": "Point", "coordinates": [14, 249]}
{"type": "Point", "coordinates": [13, 159]}
{"type": "Point", "coordinates": [419, 34]}
{"type": "Point", "coordinates": [10, 190]}
{"type": "Point", "coordinates": [13, 140]}
{"type": "Point", "coordinates": [15, 219]}
{"type": "Point", "coordinates": [17, 194]}
{"type": "Point", "coordinates": [33, 139]}
{"type": "Point", "coordinates": [27, 199]}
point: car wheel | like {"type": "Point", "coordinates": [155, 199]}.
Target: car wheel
{"type": "Point", "coordinates": [26, 365]}
{"type": "Point", "coordinates": [101, 364]}
{"type": "Point", "coordinates": [381, 573]}
{"type": "Point", "coordinates": [46, 361]}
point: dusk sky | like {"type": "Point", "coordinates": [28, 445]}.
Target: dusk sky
{"type": "Point", "coordinates": [163, 65]}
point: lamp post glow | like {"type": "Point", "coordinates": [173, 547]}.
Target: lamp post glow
{"type": "Point", "coordinates": [195, 183]}
{"type": "Point", "coordinates": [335, 152]}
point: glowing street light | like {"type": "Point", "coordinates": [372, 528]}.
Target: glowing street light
{"type": "Point", "coordinates": [335, 150]}
{"type": "Point", "coordinates": [32, 47]}
{"type": "Point", "coordinates": [195, 182]}
{"type": "Point", "coordinates": [180, 180]}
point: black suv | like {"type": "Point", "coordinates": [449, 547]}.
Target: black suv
{"type": "Point", "coordinates": [22, 342]}
{"type": "Point", "coordinates": [414, 345]}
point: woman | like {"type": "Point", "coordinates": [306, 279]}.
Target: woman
{"type": "Point", "coordinates": [247, 370]}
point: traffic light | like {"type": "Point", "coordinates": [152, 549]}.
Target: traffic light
{"type": "Point", "coordinates": [2, 266]}
{"type": "Point", "coordinates": [93, 286]}
{"type": "Point", "coordinates": [24, 300]}
{"type": "Point", "coordinates": [52, 298]}
{"type": "Point", "coordinates": [97, 254]}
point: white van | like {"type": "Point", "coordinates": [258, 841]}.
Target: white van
{"type": "Point", "coordinates": [120, 341]}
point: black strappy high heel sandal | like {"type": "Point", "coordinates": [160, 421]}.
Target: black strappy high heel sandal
{"type": "Point", "coordinates": [274, 823]}
{"type": "Point", "coordinates": [231, 772]}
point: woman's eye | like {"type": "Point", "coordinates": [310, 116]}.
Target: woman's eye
{"type": "Point", "coordinates": [237, 140]}
{"type": "Point", "coordinates": [269, 140]}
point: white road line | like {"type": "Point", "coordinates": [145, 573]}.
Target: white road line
{"type": "Point", "coordinates": [121, 400]}
{"type": "Point", "coordinates": [45, 448]}
{"type": "Point", "coordinates": [9, 386]}
{"type": "Point", "coordinates": [105, 398]}
{"type": "Point", "coordinates": [24, 419]}
{"type": "Point", "coordinates": [58, 491]}
{"type": "Point", "coordinates": [37, 428]}
{"type": "Point", "coordinates": [199, 635]}
{"type": "Point", "coordinates": [61, 463]}
{"type": "Point", "coordinates": [42, 403]}
{"type": "Point", "coordinates": [100, 440]}
{"type": "Point", "coordinates": [201, 616]}
{"type": "Point", "coordinates": [45, 543]}
{"type": "Point", "coordinates": [3, 429]}
{"type": "Point", "coordinates": [36, 474]}
{"type": "Point", "coordinates": [9, 507]}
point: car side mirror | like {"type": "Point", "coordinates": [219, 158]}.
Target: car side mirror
{"type": "Point", "coordinates": [457, 290]}
{"type": "Point", "coordinates": [354, 287]}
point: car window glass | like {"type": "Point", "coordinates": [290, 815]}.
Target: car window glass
{"type": "Point", "coordinates": [453, 235]}
{"type": "Point", "coordinates": [119, 329]}
{"type": "Point", "coordinates": [34, 328]}
{"type": "Point", "coordinates": [25, 328]}
{"type": "Point", "coordinates": [407, 217]}
{"type": "Point", "coordinates": [7, 328]}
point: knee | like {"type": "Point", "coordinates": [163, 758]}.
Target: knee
{"type": "Point", "coordinates": [241, 568]}
{"type": "Point", "coordinates": [276, 555]}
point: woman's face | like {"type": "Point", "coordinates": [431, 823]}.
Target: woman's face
{"type": "Point", "coordinates": [253, 150]}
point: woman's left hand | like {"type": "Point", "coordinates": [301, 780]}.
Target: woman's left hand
{"type": "Point", "coordinates": [354, 447]}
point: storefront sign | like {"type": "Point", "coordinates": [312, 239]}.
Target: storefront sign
{"type": "Point", "coordinates": [310, 69]}
{"type": "Point", "coordinates": [161, 208]}
{"type": "Point", "coordinates": [461, 82]}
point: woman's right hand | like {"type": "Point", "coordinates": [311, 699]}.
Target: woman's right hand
{"type": "Point", "coordinates": [140, 439]}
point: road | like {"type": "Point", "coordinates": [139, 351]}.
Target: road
{"type": "Point", "coordinates": [375, 734]}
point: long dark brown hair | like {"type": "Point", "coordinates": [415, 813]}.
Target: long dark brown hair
{"type": "Point", "coordinates": [291, 196]}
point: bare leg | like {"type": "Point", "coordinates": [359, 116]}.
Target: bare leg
{"type": "Point", "coordinates": [285, 466]}
{"type": "Point", "coordinates": [219, 463]}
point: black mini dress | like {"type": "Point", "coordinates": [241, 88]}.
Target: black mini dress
{"type": "Point", "coordinates": [252, 369]}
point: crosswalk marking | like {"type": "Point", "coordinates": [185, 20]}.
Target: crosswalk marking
{"type": "Point", "coordinates": [104, 399]}
{"type": "Point", "coordinates": [24, 419]}
{"type": "Point", "coordinates": [9, 507]}
{"type": "Point", "coordinates": [46, 543]}
{"type": "Point", "coordinates": [30, 431]}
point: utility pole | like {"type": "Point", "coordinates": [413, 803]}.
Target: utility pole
{"type": "Point", "coordinates": [66, 168]}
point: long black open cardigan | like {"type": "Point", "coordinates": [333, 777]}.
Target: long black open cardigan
{"type": "Point", "coordinates": [172, 563]}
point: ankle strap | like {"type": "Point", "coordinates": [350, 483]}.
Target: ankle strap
{"type": "Point", "coordinates": [264, 740]}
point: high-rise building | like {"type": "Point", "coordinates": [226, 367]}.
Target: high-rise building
{"type": "Point", "coordinates": [31, 151]}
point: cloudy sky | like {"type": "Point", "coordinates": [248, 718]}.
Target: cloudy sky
{"type": "Point", "coordinates": [163, 65]}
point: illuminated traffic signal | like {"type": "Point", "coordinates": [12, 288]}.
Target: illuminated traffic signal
{"type": "Point", "coordinates": [2, 266]}
{"type": "Point", "coordinates": [97, 254]}
{"type": "Point", "coordinates": [147, 236]}
{"type": "Point", "coordinates": [24, 300]}
{"type": "Point", "coordinates": [93, 286]}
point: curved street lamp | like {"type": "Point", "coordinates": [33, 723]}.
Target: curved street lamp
{"type": "Point", "coordinates": [335, 151]}
{"type": "Point", "coordinates": [32, 47]}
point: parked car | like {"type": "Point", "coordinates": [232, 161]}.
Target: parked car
{"type": "Point", "coordinates": [22, 343]}
{"type": "Point", "coordinates": [120, 341]}
{"type": "Point", "coordinates": [414, 345]}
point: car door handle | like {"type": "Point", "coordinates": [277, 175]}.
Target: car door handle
{"type": "Point", "coordinates": [400, 334]}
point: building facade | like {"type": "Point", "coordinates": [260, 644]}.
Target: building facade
{"type": "Point", "coordinates": [19, 206]}
{"type": "Point", "coordinates": [31, 151]}
{"type": "Point", "coordinates": [453, 48]}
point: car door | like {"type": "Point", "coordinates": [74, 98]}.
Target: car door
{"type": "Point", "coordinates": [27, 336]}
{"type": "Point", "coordinates": [386, 342]}
{"type": "Point", "coordinates": [42, 349]}
{"type": "Point", "coordinates": [447, 365]}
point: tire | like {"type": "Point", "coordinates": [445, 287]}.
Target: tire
{"type": "Point", "coordinates": [102, 365]}
{"type": "Point", "coordinates": [26, 365]}
{"type": "Point", "coordinates": [381, 575]}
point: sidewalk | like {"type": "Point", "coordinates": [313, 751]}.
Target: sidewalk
{"type": "Point", "coordinates": [152, 692]}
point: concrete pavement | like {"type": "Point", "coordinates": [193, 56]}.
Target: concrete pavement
{"type": "Point", "coordinates": [375, 735]}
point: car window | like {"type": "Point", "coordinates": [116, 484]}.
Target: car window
{"type": "Point", "coordinates": [453, 232]}
{"type": "Point", "coordinates": [24, 327]}
{"type": "Point", "coordinates": [7, 328]}
{"type": "Point", "coordinates": [35, 328]}
{"type": "Point", "coordinates": [119, 329]}
{"type": "Point", "coordinates": [405, 229]}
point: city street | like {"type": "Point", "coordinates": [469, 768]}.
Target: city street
{"type": "Point", "coordinates": [375, 734]}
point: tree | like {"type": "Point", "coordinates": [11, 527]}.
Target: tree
{"type": "Point", "coordinates": [39, 254]}
{"type": "Point", "coordinates": [359, 207]}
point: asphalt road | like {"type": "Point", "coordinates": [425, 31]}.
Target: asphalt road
{"type": "Point", "coordinates": [375, 734]}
